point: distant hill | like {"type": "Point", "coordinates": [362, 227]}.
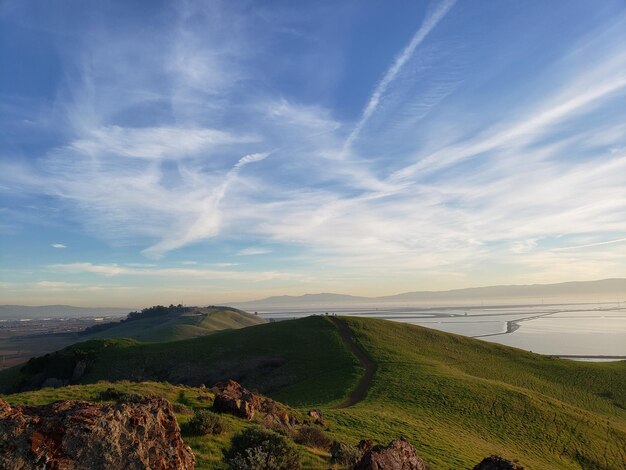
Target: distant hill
{"type": "Point", "coordinates": [456, 399]}
{"type": "Point", "coordinates": [153, 324]}
{"type": "Point", "coordinates": [606, 290]}
{"type": "Point", "coordinates": [10, 312]}
{"type": "Point", "coordinates": [157, 324]}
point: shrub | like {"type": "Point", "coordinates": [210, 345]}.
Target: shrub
{"type": "Point", "coordinates": [182, 409]}
{"type": "Point", "coordinates": [111, 394]}
{"type": "Point", "coordinates": [261, 449]}
{"type": "Point", "coordinates": [344, 454]}
{"type": "Point", "coordinates": [182, 398]}
{"type": "Point", "coordinates": [313, 437]}
{"type": "Point", "coordinates": [205, 422]}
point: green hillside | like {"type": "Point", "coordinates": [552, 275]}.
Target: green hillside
{"type": "Point", "coordinates": [455, 398]}
{"type": "Point", "coordinates": [174, 324]}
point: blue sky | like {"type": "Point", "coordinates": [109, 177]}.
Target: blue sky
{"type": "Point", "coordinates": [157, 152]}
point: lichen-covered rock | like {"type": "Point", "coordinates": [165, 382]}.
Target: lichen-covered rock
{"type": "Point", "coordinates": [495, 462]}
{"type": "Point", "coordinates": [398, 455]}
{"type": "Point", "coordinates": [76, 435]}
{"type": "Point", "coordinates": [232, 398]}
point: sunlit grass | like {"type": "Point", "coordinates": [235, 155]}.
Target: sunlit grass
{"type": "Point", "coordinates": [456, 399]}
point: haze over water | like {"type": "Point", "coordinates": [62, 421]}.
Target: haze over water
{"type": "Point", "coordinates": [589, 331]}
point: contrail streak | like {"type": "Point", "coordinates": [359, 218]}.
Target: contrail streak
{"type": "Point", "coordinates": [589, 245]}
{"type": "Point", "coordinates": [425, 28]}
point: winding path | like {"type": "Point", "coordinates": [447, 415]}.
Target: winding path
{"type": "Point", "coordinates": [359, 393]}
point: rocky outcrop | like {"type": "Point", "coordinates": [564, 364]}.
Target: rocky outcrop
{"type": "Point", "coordinates": [398, 455]}
{"type": "Point", "coordinates": [74, 435]}
{"type": "Point", "coordinates": [495, 462]}
{"type": "Point", "coordinates": [232, 398]}
{"type": "Point", "coordinates": [316, 416]}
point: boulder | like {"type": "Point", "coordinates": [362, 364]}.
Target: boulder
{"type": "Point", "coordinates": [232, 398]}
{"type": "Point", "coordinates": [495, 462]}
{"type": "Point", "coordinates": [398, 455]}
{"type": "Point", "coordinates": [76, 435]}
{"type": "Point", "coordinates": [316, 416]}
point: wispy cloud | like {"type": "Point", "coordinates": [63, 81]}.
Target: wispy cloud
{"type": "Point", "coordinates": [468, 156]}
{"type": "Point", "coordinates": [208, 219]}
{"type": "Point", "coordinates": [115, 270]}
{"type": "Point", "coordinates": [58, 246]}
{"type": "Point", "coordinates": [253, 250]}
{"type": "Point", "coordinates": [156, 142]}
{"type": "Point", "coordinates": [595, 87]}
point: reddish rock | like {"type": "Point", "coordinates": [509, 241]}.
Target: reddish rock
{"type": "Point", "coordinates": [398, 455]}
{"type": "Point", "coordinates": [232, 398]}
{"type": "Point", "coordinates": [365, 445]}
{"type": "Point", "coordinates": [316, 416]}
{"type": "Point", "coordinates": [76, 435]}
{"type": "Point", "coordinates": [495, 462]}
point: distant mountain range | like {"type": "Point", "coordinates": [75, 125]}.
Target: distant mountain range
{"type": "Point", "coordinates": [606, 290]}
{"type": "Point", "coordinates": [57, 311]}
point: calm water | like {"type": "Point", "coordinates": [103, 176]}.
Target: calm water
{"type": "Point", "coordinates": [591, 332]}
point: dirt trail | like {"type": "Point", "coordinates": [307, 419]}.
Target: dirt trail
{"type": "Point", "coordinates": [359, 393]}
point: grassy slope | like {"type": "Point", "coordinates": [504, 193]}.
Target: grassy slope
{"type": "Point", "coordinates": [455, 398]}
{"type": "Point", "coordinates": [302, 362]}
{"type": "Point", "coordinates": [460, 399]}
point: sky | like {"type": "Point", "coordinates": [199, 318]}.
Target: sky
{"type": "Point", "coordinates": [214, 151]}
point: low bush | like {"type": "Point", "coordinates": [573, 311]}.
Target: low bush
{"type": "Point", "coordinates": [182, 398]}
{"type": "Point", "coordinates": [313, 437]}
{"type": "Point", "coordinates": [205, 422]}
{"type": "Point", "coordinates": [111, 394]}
{"type": "Point", "coordinates": [344, 454]}
{"type": "Point", "coordinates": [261, 449]}
{"type": "Point", "coordinates": [181, 409]}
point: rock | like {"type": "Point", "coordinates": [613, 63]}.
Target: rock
{"type": "Point", "coordinates": [316, 416]}
{"type": "Point", "coordinates": [365, 445]}
{"type": "Point", "coordinates": [76, 435]}
{"type": "Point", "coordinates": [398, 455]}
{"type": "Point", "coordinates": [495, 462]}
{"type": "Point", "coordinates": [232, 398]}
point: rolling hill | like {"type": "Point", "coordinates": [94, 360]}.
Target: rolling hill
{"type": "Point", "coordinates": [155, 324]}
{"type": "Point", "coordinates": [174, 323]}
{"type": "Point", "coordinates": [456, 399]}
